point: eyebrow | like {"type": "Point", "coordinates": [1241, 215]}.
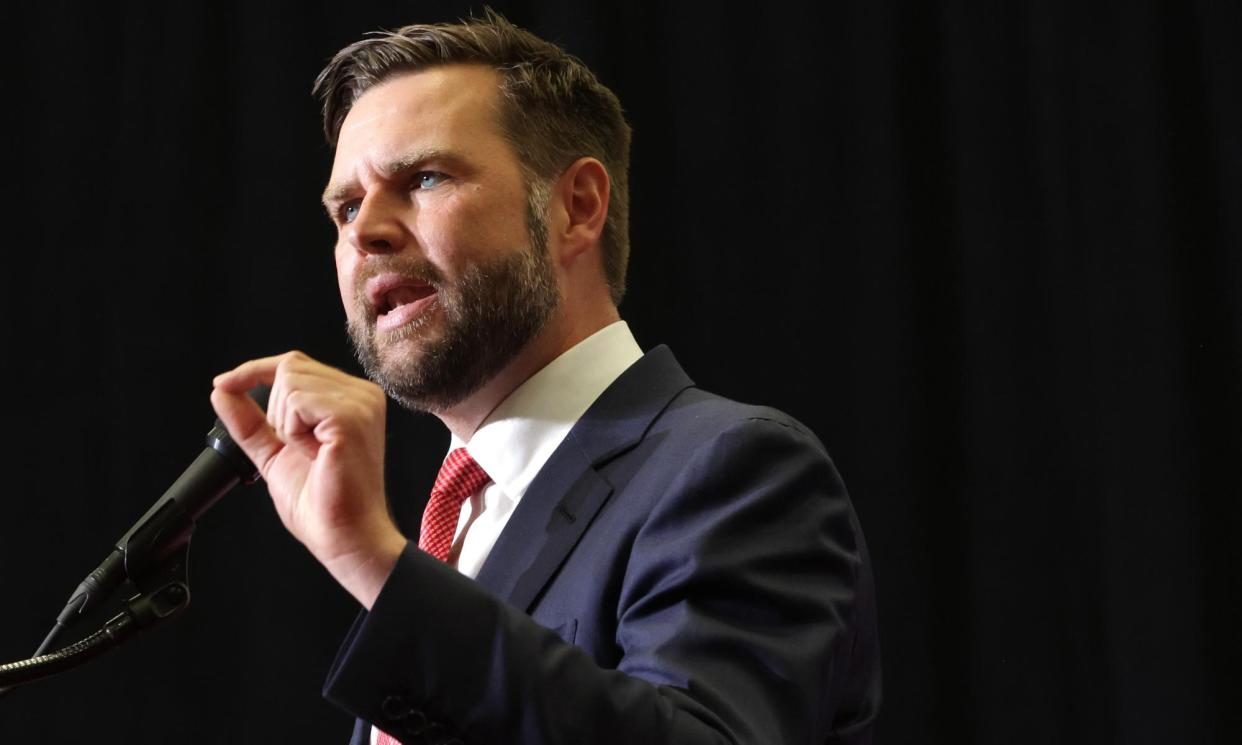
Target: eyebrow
{"type": "Point", "coordinates": [393, 169]}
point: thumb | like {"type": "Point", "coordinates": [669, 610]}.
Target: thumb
{"type": "Point", "coordinates": [247, 425]}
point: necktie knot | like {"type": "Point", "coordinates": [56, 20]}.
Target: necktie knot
{"type": "Point", "coordinates": [459, 477]}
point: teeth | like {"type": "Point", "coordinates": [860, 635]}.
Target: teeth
{"type": "Point", "coordinates": [402, 296]}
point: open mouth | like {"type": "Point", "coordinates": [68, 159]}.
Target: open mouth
{"type": "Point", "coordinates": [398, 300]}
{"type": "Point", "coordinates": [405, 295]}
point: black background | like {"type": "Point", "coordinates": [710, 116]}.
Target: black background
{"type": "Point", "coordinates": [990, 254]}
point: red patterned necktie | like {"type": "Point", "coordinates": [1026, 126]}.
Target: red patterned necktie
{"type": "Point", "coordinates": [459, 478]}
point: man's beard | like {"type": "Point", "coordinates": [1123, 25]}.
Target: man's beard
{"type": "Point", "coordinates": [489, 315]}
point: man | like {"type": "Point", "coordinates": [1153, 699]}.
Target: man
{"type": "Point", "coordinates": [611, 554]}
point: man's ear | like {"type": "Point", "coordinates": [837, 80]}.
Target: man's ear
{"type": "Point", "coordinates": [581, 195]}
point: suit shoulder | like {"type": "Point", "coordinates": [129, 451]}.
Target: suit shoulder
{"type": "Point", "coordinates": [703, 415]}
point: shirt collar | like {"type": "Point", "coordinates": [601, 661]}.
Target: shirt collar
{"type": "Point", "coordinates": [518, 437]}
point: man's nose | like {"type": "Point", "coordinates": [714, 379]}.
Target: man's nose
{"type": "Point", "coordinates": [378, 227]}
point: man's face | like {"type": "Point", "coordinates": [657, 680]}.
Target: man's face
{"type": "Point", "coordinates": [441, 256]}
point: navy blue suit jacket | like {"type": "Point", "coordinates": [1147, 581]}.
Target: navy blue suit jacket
{"type": "Point", "coordinates": [685, 569]}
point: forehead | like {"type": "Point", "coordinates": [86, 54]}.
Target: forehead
{"type": "Point", "coordinates": [449, 107]}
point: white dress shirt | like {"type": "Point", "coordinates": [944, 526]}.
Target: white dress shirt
{"type": "Point", "coordinates": [518, 437]}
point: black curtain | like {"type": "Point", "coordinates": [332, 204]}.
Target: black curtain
{"type": "Point", "coordinates": [990, 254]}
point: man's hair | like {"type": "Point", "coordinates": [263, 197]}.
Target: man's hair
{"type": "Point", "coordinates": [553, 109]}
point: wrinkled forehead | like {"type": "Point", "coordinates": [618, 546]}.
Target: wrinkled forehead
{"type": "Point", "coordinates": [441, 101]}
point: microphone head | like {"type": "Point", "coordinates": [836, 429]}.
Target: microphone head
{"type": "Point", "coordinates": [220, 440]}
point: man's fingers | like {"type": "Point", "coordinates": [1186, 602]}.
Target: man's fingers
{"type": "Point", "coordinates": [248, 374]}
{"type": "Point", "coordinates": [270, 371]}
{"type": "Point", "coordinates": [247, 424]}
{"type": "Point", "coordinates": [305, 409]}
{"type": "Point", "coordinates": [267, 370]}
{"type": "Point", "coordinates": [303, 394]}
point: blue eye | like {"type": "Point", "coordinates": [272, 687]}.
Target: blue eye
{"type": "Point", "coordinates": [349, 212]}
{"type": "Point", "coordinates": [430, 179]}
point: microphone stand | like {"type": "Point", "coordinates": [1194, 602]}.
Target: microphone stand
{"type": "Point", "coordinates": [161, 595]}
{"type": "Point", "coordinates": [153, 555]}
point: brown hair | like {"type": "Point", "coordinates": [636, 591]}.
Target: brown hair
{"type": "Point", "coordinates": [553, 111]}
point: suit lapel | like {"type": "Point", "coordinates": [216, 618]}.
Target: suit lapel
{"type": "Point", "coordinates": [361, 734]}
{"type": "Point", "coordinates": [560, 503]}
{"type": "Point", "coordinates": [568, 492]}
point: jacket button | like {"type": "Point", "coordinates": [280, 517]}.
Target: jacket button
{"type": "Point", "coordinates": [415, 723]}
{"type": "Point", "coordinates": [396, 708]}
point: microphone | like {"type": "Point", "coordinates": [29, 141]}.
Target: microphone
{"type": "Point", "coordinates": [165, 529]}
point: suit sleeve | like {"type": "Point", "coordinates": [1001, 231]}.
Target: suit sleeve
{"type": "Point", "coordinates": [745, 615]}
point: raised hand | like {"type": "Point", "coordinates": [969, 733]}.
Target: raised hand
{"type": "Point", "coordinates": [320, 448]}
